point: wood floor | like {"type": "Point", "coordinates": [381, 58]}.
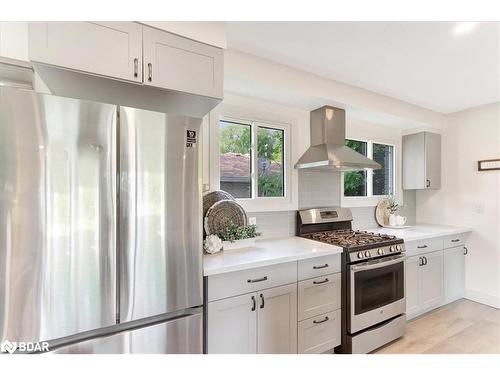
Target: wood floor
{"type": "Point", "coordinates": [462, 327]}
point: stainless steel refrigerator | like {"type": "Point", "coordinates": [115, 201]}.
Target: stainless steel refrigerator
{"type": "Point", "coordinates": [100, 227]}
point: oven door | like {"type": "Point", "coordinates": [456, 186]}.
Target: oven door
{"type": "Point", "coordinates": [377, 292]}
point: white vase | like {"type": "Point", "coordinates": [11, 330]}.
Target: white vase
{"type": "Point", "coordinates": [392, 220]}
{"type": "Point", "coordinates": [238, 244]}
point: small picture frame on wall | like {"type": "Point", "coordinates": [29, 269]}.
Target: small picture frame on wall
{"type": "Point", "coordinates": [488, 165]}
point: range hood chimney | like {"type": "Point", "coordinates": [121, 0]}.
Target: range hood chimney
{"type": "Point", "coordinates": [328, 151]}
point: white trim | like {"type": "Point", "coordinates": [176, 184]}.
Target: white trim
{"type": "Point", "coordinates": [485, 299]}
{"type": "Point", "coordinates": [256, 118]}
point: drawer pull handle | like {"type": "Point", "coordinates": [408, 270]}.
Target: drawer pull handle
{"type": "Point", "coordinates": [422, 246]}
{"type": "Point", "coordinates": [321, 321]}
{"type": "Point", "coordinates": [466, 251]}
{"type": "Point", "coordinates": [455, 240]}
{"type": "Point", "coordinates": [320, 267]}
{"type": "Point", "coordinates": [254, 303]}
{"type": "Point", "coordinates": [262, 298]}
{"type": "Point", "coordinates": [320, 282]}
{"type": "Point", "coordinates": [150, 72]}
{"type": "Point", "coordinates": [257, 280]}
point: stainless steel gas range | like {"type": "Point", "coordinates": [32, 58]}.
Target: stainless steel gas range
{"type": "Point", "coordinates": [373, 278]}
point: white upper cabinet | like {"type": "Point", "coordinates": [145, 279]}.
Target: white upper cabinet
{"type": "Point", "coordinates": [112, 49]}
{"type": "Point", "coordinates": [422, 161]}
{"type": "Point", "coordinates": [182, 64]}
{"type": "Point", "coordinates": [132, 52]}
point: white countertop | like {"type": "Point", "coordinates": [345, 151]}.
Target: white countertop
{"type": "Point", "coordinates": [265, 253]}
{"type": "Point", "coordinates": [421, 231]}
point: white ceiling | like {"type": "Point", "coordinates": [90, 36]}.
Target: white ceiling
{"type": "Point", "coordinates": [423, 63]}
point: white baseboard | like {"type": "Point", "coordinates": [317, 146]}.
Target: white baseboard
{"type": "Point", "coordinates": [485, 299]}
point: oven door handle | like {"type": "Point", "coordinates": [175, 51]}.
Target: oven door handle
{"type": "Point", "coordinates": [378, 265]}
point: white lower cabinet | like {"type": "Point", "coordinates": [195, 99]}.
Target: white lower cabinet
{"type": "Point", "coordinates": [264, 322]}
{"type": "Point", "coordinates": [424, 283]}
{"type": "Point", "coordinates": [232, 324]}
{"type": "Point", "coordinates": [277, 320]}
{"type": "Point", "coordinates": [286, 308]}
{"type": "Point", "coordinates": [319, 334]}
{"type": "Point", "coordinates": [454, 273]}
{"type": "Point", "coordinates": [412, 286]}
{"type": "Point", "coordinates": [432, 280]}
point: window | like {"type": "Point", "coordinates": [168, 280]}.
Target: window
{"type": "Point", "coordinates": [244, 174]}
{"type": "Point", "coordinates": [372, 182]}
{"type": "Point", "coordinates": [235, 159]}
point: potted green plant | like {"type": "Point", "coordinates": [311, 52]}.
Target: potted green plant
{"type": "Point", "coordinates": [237, 237]}
{"type": "Point", "coordinates": [392, 207]}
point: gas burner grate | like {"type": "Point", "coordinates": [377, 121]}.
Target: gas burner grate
{"type": "Point", "coordinates": [349, 238]}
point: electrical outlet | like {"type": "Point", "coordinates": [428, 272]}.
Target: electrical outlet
{"type": "Point", "coordinates": [479, 208]}
{"type": "Point", "coordinates": [252, 220]}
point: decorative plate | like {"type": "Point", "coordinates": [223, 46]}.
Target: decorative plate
{"type": "Point", "coordinates": [382, 213]}
{"type": "Point", "coordinates": [212, 197]}
{"type": "Point", "coordinates": [397, 226]}
{"type": "Point", "coordinates": [221, 214]}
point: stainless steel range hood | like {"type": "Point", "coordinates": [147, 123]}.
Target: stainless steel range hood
{"type": "Point", "coordinates": [328, 151]}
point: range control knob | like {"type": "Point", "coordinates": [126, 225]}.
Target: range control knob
{"type": "Point", "coordinates": [380, 251]}
{"type": "Point", "coordinates": [367, 254]}
{"type": "Point", "coordinates": [360, 255]}
{"type": "Point", "coordinates": [398, 247]}
{"type": "Point", "coordinates": [392, 249]}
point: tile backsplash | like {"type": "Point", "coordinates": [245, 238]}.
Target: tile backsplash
{"type": "Point", "coordinates": [319, 189]}
{"type": "Point", "coordinates": [322, 189]}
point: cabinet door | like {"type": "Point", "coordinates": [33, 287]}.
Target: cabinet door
{"type": "Point", "coordinates": [453, 273]}
{"type": "Point", "coordinates": [412, 286]}
{"type": "Point", "coordinates": [232, 325]}
{"type": "Point", "coordinates": [432, 280]}
{"type": "Point", "coordinates": [111, 49]}
{"type": "Point", "coordinates": [277, 320]}
{"type": "Point", "coordinates": [432, 160]}
{"type": "Point", "coordinates": [177, 63]}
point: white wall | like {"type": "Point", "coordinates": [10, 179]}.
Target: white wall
{"type": "Point", "coordinates": [14, 40]}
{"type": "Point", "coordinates": [469, 198]}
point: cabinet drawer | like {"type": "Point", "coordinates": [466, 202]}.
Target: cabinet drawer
{"type": "Point", "coordinates": [318, 295]}
{"type": "Point", "coordinates": [455, 240]}
{"type": "Point", "coordinates": [424, 246]}
{"type": "Point", "coordinates": [240, 282]}
{"type": "Point", "coordinates": [319, 266]}
{"type": "Point", "coordinates": [319, 334]}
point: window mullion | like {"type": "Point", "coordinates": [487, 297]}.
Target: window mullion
{"type": "Point", "coordinates": [369, 173]}
{"type": "Point", "coordinates": [254, 166]}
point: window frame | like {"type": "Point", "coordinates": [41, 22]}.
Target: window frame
{"type": "Point", "coordinates": [370, 199]}
{"type": "Point", "coordinates": [255, 204]}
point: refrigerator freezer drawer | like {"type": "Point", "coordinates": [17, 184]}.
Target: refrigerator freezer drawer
{"type": "Point", "coordinates": [179, 336]}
